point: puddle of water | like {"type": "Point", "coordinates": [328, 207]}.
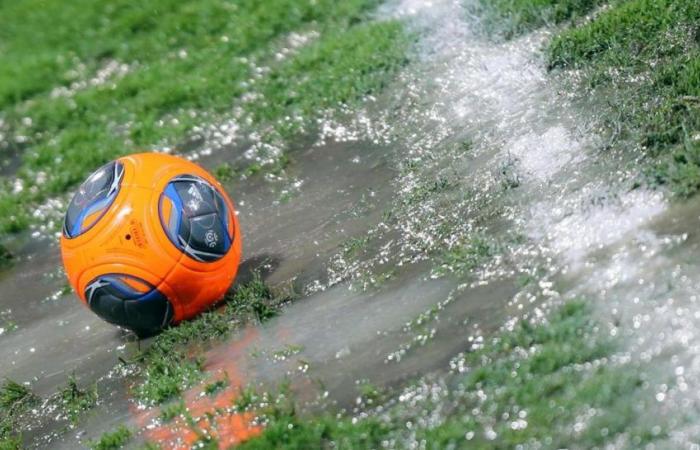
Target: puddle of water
{"type": "Point", "coordinates": [474, 138]}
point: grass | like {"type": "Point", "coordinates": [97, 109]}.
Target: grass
{"type": "Point", "coordinates": [74, 401]}
{"type": "Point", "coordinates": [215, 387]}
{"type": "Point", "coordinates": [540, 370]}
{"type": "Point", "coordinates": [113, 440]}
{"type": "Point", "coordinates": [13, 393]}
{"type": "Point", "coordinates": [647, 52]}
{"type": "Point", "coordinates": [354, 246]}
{"type": "Point", "coordinates": [173, 410]}
{"type": "Point", "coordinates": [291, 432]}
{"type": "Point", "coordinates": [644, 57]}
{"type": "Point", "coordinates": [5, 257]}
{"type": "Point", "coordinates": [525, 387]}
{"type": "Point", "coordinates": [514, 17]}
{"type": "Point", "coordinates": [467, 256]}
{"type": "Point", "coordinates": [187, 63]}
{"type": "Point", "coordinates": [15, 401]}
{"type": "Point", "coordinates": [168, 365]}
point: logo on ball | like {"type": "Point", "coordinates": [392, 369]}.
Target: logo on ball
{"type": "Point", "coordinates": [194, 215]}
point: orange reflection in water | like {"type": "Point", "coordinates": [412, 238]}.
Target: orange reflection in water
{"type": "Point", "coordinates": [212, 414]}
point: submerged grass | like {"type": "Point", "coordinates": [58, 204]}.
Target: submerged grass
{"type": "Point", "coordinates": [15, 401]}
{"type": "Point", "coordinates": [5, 257]}
{"type": "Point", "coordinates": [169, 366]}
{"type": "Point", "coordinates": [530, 386]}
{"type": "Point", "coordinates": [83, 83]}
{"type": "Point", "coordinates": [467, 256]}
{"type": "Point", "coordinates": [74, 400]}
{"type": "Point", "coordinates": [13, 393]}
{"type": "Point", "coordinates": [113, 440]}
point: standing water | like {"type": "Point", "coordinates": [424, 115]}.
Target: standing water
{"type": "Point", "coordinates": [474, 191]}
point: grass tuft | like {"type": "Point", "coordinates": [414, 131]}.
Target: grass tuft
{"type": "Point", "coordinates": [168, 367]}
{"type": "Point", "coordinates": [215, 387]}
{"type": "Point", "coordinates": [522, 388]}
{"type": "Point", "coordinates": [74, 401]}
{"type": "Point", "coordinates": [467, 256]}
{"type": "Point", "coordinates": [6, 257]}
{"type": "Point", "coordinates": [13, 393]}
{"type": "Point", "coordinates": [173, 410]}
{"type": "Point", "coordinates": [15, 401]}
{"type": "Point", "coordinates": [113, 440]}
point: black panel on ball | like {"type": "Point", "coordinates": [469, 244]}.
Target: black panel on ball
{"type": "Point", "coordinates": [145, 313]}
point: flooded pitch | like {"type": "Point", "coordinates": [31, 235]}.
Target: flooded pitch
{"type": "Point", "coordinates": [473, 192]}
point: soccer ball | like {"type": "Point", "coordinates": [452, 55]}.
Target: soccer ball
{"type": "Point", "coordinates": [150, 240]}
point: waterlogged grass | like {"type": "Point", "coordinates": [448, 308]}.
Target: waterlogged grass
{"type": "Point", "coordinates": [647, 52]}
{"type": "Point", "coordinates": [15, 401]}
{"type": "Point", "coordinates": [113, 440]}
{"type": "Point", "coordinates": [289, 431]}
{"type": "Point", "coordinates": [467, 256]}
{"type": "Point", "coordinates": [5, 257]}
{"type": "Point", "coordinates": [532, 386]}
{"type": "Point", "coordinates": [214, 387]}
{"type": "Point", "coordinates": [173, 410]}
{"type": "Point", "coordinates": [74, 400]}
{"type": "Point", "coordinates": [170, 365]}
{"type": "Point", "coordinates": [643, 55]}
{"type": "Point", "coordinates": [513, 17]}
{"type": "Point", "coordinates": [178, 64]}
{"type": "Point", "coordinates": [13, 393]}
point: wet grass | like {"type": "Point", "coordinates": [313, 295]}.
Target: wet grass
{"type": "Point", "coordinates": [532, 386]}
{"type": "Point", "coordinates": [214, 387]}
{"type": "Point", "coordinates": [6, 257]}
{"type": "Point", "coordinates": [185, 64]}
{"type": "Point", "coordinates": [74, 400]}
{"type": "Point", "coordinates": [15, 401]}
{"type": "Point", "coordinates": [514, 17]}
{"type": "Point", "coordinates": [467, 256]}
{"type": "Point", "coordinates": [13, 393]}
{"type": "Point", "coordinates": [644, 56]}
{"type": "Point", "coordinates": [113, 440]}
{"type": "Point", "coordinates": [647, 53]}
{"type": "Point", "coordinates": [170, 365]}
{"type": "Point", "coordinates": [173, 410]}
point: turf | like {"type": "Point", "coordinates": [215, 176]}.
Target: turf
{"type": "Point", "coordinates": [466, 256]}
{"type": "Point", "coordinates": [541, 370]}
{"type": "Point", "coordinates": [15, 401]}
{"type": "Point", "coordinates": [539, 377]}
{"type": "Point", "coordinates": [180, 64]}
{"type": "Point", "coordinates": [168, 366]}
{"type": "Point", "coordinates": [113, 440]}
{"type": "Point", "coordinates": [511, 18]}
{"type": "Point", "coordinates": [647, 53]}
{"type": "Point", "coordinates": [644, 57]}
{"type": "Point", "coordinates": [75, 400]}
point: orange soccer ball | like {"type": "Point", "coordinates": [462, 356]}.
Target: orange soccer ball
{"type": "Point", "coordinates": [149, 240]}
